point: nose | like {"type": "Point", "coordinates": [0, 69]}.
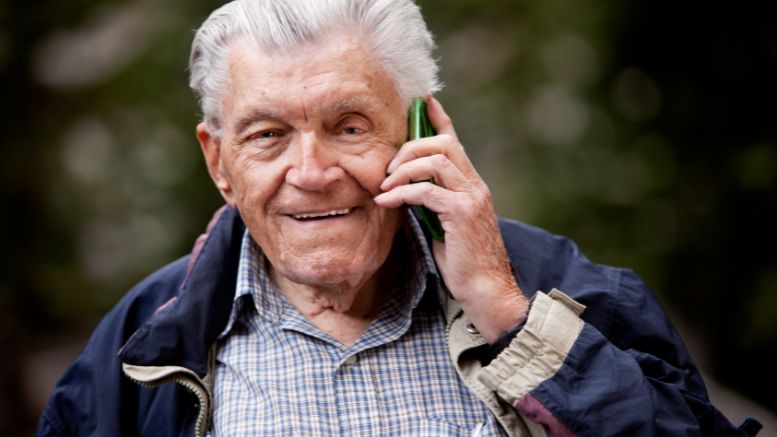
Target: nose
{"type": "Point", "coordinates": [315, 166]}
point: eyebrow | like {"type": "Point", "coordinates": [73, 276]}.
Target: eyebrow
{"type": "Point", "coordinates": [355, 103]}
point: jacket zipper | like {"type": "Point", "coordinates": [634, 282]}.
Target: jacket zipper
{"type": "Point", "coordinates": [194, 387]}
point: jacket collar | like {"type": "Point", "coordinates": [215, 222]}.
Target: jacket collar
{"type": "Point", "coordinates": [182, 331]}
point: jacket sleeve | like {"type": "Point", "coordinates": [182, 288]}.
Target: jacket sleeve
{"type": "Point", "coordinates": [639, 379]}
{"type": "Point", "coordinates": [93, 397]}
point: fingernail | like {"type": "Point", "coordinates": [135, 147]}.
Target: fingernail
{"type": "Point", "coordinates": [380, 197]}
{"type": "Point", "coordinates": [390, 169]}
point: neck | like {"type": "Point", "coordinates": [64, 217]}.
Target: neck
{"type": "Point", "coordinates": [345, 310]}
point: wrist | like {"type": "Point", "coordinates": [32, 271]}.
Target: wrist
{"type": "Point", "coordinates": [497, 314]}
{"type": "Point", "coordinates": [495, 348]}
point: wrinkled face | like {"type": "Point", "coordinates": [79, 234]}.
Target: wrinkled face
{"type": "Point", "coordinates": [306, 139]}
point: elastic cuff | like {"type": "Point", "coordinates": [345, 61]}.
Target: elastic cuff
{"type": "Point", "coordinates": [502, 342]}
{"type": "Point", "coordinates": [538, 350]}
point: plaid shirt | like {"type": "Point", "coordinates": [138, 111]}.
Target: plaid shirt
{"type": "Point", "coordinates": [278, 375]}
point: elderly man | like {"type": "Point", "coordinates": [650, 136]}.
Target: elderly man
{"type": "Point", "coordinates": [316, 305]}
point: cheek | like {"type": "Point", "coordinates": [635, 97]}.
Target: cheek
{"type": "Point", "coordinates": [255, 182]}
{"type": "Point", "coordinates": [369, 174]}
{"type": "Point", "coordinates": [369, 169]}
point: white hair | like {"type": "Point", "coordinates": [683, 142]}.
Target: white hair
{"type": "Point", "coordinates": [393, 30]}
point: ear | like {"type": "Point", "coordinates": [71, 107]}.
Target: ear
{"type": "Point", "coordinates": [211, 150]}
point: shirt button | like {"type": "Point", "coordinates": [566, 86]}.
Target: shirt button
{"type": "Point", "coordinates": [472, 329]}
{"type": "Point", "coordinates": [350, 361]}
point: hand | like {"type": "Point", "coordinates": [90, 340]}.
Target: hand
{"type": "Point", "coordinates": [472, 260]}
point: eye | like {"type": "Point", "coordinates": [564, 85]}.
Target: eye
{"type": "Point", "coordinates": [352, 125]}
{"type": "Point", "coordinates": [352, 130]}
{"type": "Point", "coordinates": [266, 134]}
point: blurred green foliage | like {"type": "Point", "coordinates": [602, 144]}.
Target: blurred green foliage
{"type": "Point", "coordinates": [645, 130]}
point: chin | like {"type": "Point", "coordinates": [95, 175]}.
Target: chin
{"type": "Point", "coordinates": [328, 270]}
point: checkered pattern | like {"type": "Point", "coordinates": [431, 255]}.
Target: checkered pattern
{"type": "Point", "coordinates": [277, 375]}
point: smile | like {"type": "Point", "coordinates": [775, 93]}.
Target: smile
{"type": "Point", "coordinates": [316, 215]}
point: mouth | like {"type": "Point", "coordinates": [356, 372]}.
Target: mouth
{"type": "Point", "coordinates": [310, 216]}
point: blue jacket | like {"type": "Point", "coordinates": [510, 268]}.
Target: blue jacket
{"type": "Point", "coordinates": [617, 366]}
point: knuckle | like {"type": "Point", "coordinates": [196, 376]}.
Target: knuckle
{"type": "Point", "coordinates": [481, 197]}
{"type": "Point", "coordinates": [435, 194]}
{"type": "Point", "coordinates": [485, 200]}
{"type": "Point", "coordinates": [440, 160]}
{"type": "Point", "coordinates": [486, 195]}
{"type": "Point", "coordinates": [451, 144]}
{"type": "Point", "coordinates": [447, 140]}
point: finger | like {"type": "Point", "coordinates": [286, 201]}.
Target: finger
{"type": "Point", "coordinates": [439, 144]}
{"type": "Point", "coordinates": [434, 197]}
{"type": "Point", "coordinates": [438, 167]}
{"type": "Point", "coordinates": [441, 122]}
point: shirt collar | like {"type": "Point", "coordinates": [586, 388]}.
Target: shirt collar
{"type": "Point", "coordinates": [420, 246]}
{"type": "Point", "coordinates": [421, 261]}
{"type": "Point", "coordinates": [254, 285]}
{"type": "Point", "coordinates": [245, 269]}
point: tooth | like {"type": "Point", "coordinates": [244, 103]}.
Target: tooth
{"type": "Point", "coordinates": [333, 212]}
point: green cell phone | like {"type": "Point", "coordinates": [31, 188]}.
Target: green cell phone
{"type": "Point", "coordinates": [418, 126]}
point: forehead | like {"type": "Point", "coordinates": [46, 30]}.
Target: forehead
{"type": "Point", "coordinates": [338, 70]}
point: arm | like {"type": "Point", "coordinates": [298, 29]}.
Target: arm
{"type": "Point", "coordinates": [636, 378]}
{"type": "Point", "coordinates": [566, 374]}
{"type": "Point", "coordinates": [94, 397]}
{"type": "Point", "coordinates": [472, 260]}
